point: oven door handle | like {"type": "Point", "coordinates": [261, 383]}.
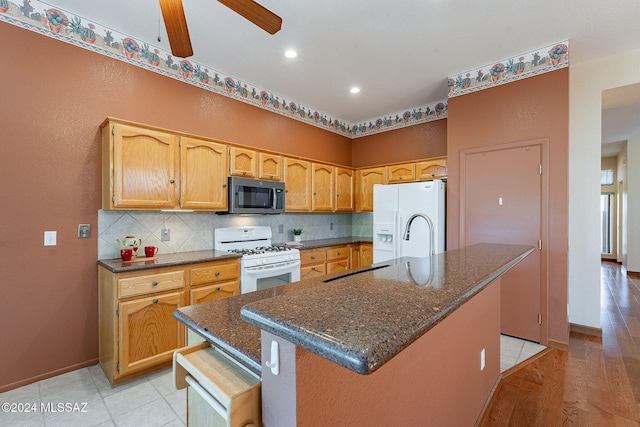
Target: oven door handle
{"type": "Point", "coordinates": [279, 267]}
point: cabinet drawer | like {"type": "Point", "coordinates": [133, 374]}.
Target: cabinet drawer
{"type": "Point", "coordinates": [215, 273]}
{"type": "Point", "coordinates": [312, 257]}
{"type": "Point", "coordinates": [312, 271]}
{"type": "Point", "coordinates": [141, 285]}
{"type": "Point", "coordinates": [337, 253]}
{"type": "Point", "coordinates": [214, 292]}
{"type": "Point", "coordinates": [334, 266]}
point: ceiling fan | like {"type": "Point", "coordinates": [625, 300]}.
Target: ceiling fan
{"type": "Point", "coordinates": [176, 23]}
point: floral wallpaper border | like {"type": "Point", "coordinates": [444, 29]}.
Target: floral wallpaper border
{"type": "Point", "coordinates": [538, 61]}
{"type": "Point", "coordinates": [42, 18]}
{"type": "Point", "coordinates": [60, 24]}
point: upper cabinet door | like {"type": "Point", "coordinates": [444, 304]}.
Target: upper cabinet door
{"type": "Point", "coordinates": [144, 166]}
{"type": "Point", "coordinates": [344, 189]}
{"type": "Point", "coordinates": [203, 167]}
{"type": "Point", "coordinates": [365, 180]}
{"type": "Point", "coordinates": [401, 173]}
{"type": "Point", "coordinates": [431, 169]}
{"type": "Point", "coordinates": [242, 162]}
{"type": "Point", "coordinates": [322, 187]}
{"type": "Point", "coordinates": [270, 166]}
{"type": "Point", "coordinates": [297, 184]}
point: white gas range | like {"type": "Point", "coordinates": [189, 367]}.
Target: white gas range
{"type": "Point", "coordinates": [262, 265]}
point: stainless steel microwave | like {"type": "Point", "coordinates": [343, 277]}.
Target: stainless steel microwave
{"type": "Point", "coordinates": [255, 196]}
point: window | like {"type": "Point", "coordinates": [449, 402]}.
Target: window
{"type": "Point", "coordinates": [606, 222]}
{"type": "Point", "coordinates": [606, 177]}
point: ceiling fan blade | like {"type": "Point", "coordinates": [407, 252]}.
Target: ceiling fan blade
{"type": "Point", "coordinates": [176, 25]}
{"type": "Point", "coordinates": [259, 15]}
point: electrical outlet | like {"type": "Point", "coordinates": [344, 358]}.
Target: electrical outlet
{"type": "Point", "coordinates": [164, 235]}
{"type": "Point", "coordinates": [482, 360]}
{"type": "Point", "coordinates": [280, 228]}
{"type": "Point", "coordinates": [84, 231]}
{"type": "Point", "coordinates": [330, 226]}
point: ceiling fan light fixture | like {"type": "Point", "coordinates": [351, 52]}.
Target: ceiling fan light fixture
{"type": "Point", "coordinates": [290, 53]}
{"type": "Point", "coordinates": [354, 89]}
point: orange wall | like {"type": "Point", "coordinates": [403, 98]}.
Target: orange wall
{"type": "Point", "coordinates": [528, 109]}
{"type": "Point", "coordinates": [435, 381]}
{"type": "Point", "coordinates": [414, 142]}
{"type": "Point", "coordinates": [54, 97]}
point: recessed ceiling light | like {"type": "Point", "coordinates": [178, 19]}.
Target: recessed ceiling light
{"type": "Point", "coordinates": [290, 53]}
{"type": "Point", "coordinates": [354, 89]}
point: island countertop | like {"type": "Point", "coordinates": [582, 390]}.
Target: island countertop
{"type": "Point", "coordinates": [360, 318]}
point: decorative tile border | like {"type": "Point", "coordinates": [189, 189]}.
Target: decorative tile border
{"type": "Point", "coordinates": [42, 18]}
{"type": "Point", "coordinates": [532, 63]}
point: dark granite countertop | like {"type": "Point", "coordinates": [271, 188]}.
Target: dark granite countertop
{"type": "Point", "coordinates": [164, 260]}
{"type": "Point", "coordinates": [359, 321]}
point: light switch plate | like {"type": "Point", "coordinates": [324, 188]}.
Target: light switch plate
{"type": "Point", "coordinates": [50, 238]}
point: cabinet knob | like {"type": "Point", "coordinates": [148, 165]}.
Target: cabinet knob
{"type": "Point", "coordinates": [244, 172]}
{"type": "Point", "coordinates": [224, 185]}
{"type": "Point", "coordinates": [217, 273]}
{"type": "Point", "coordinates": [218, 289]}
{"type": "Point", "coordinates": [313, 257]}
{"type": "Point", "coordinates": [173, 181]}
{"type": "Point", "coordinates": [154, 284]}
{"type": "Point", "coordinates": [155, 301]}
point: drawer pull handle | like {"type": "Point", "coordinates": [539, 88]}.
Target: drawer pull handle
{"type": "Point", "coordinates": [154, 284]}
{"type": "Point", "coordinates": [313, 257]}
{"type": "Point", "coordinates": [217, 273]}
{"type": "Point", "coordinates": [155, 301]}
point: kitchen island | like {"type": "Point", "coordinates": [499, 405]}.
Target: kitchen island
{"type": "Point", "coordinates": [395, 342]}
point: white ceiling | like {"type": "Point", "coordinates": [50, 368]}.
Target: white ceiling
{"type": "Point", "coordinates": [400, 53]}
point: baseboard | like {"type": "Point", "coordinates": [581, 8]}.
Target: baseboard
{"type": "Point", "coordinates": [558, 345]}
{"type": "Point", "coordinates": [587, 330]}
{"type": "Point", "coordinates": [633, 274]}
{"type": "Point", "coordinates": [51, 374]}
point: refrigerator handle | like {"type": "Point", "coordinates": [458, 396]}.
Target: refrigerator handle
{"type": "Point", "coordinates": [398, 234]}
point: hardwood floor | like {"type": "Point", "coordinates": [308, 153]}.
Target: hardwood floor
{"type": "Point", "coordinates": [595, 383]}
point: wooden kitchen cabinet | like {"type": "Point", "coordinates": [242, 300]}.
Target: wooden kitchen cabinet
{"type": "Point", "coordinates": [365, 180]}
{"type": "Point", "coordinates": [242, 162]}
{"type": "Point", "coordinates": [312, 263]}
{"type": "Point", "coordinates": [337, 259]}
{"type": "Point", "coordinates": [361, 254]}
{"type": "Point", "coordinates": [366, 254]}
{"type": "Point", "coordinates": [344, 190]}
{"type": "Point", "coordinates": [405, 172]}
{"type": "Point", "coordinates": [211, 281]}
{"type": "Point", "coordinates": [322, 187]}
{"type": "Point", "coordinates": [148, 168]}
{"type": "Point", "coordinates": [297, 177]}
{"type": "Point", "coordinates": [270, 166]}
{"type": "Point", "coordinates": [203, 171]}
{"type": "Point", "coordinates": [148, 332]}
{"type": "Point", "coordinates": [431, 169]}
{"type": "Point", "coordinates": [137, 331]}
{"type": "Point", "coordinates": [139, 167]}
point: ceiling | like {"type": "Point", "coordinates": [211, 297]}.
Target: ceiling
{"type": "Point", "coordinates": [399, 53]}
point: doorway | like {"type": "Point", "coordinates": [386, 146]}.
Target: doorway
{"type": "Point", "coordinates": [503, 200]}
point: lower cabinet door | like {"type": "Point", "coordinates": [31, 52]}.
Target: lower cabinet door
{"type": "Point", "coordinates": [148, 331]}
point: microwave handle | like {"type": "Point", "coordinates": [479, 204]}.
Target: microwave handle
{"type": "Point", "coordinates": [274, 199]}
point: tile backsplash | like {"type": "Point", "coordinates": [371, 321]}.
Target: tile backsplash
{"type": "Point", "coordinates": [193, 231]}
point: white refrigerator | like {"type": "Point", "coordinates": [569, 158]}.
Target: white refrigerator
{"type": "Point", "coordinates": [394, 207]}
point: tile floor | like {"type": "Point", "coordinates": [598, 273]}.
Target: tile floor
{"type": "Point", "coordinates": [148, 401]}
